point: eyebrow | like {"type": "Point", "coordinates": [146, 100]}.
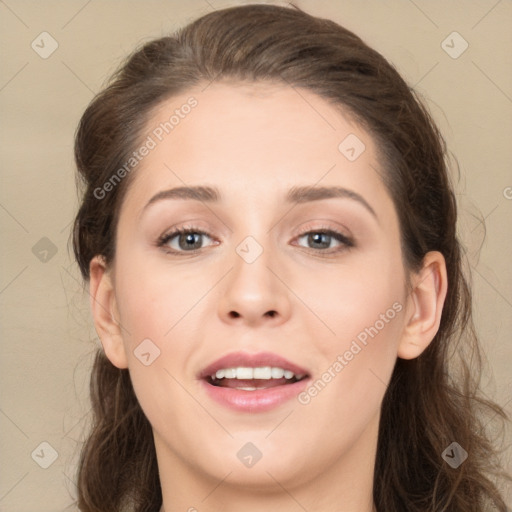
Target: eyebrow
{"type": "Point", "coordinates": [296, 195]}
{"type": "Point", "coordinates": [299, 195]}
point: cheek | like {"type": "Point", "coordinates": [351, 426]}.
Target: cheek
{"type": "Point", "coordinates": [351, 300]}
{"type": "Point", "coordinates": [362, 312]}
{"type": "Point", "coordinates": [154, 299]}
{"type": "Point", "coordinates": [153, 305]}
{"type": "Point", "coordinates": [158, 308]}
{"type": "Point", "coordinates": [360, 353]}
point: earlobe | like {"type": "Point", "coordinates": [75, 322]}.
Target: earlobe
{"type": "Point", "coordinates": [425, 306]}
{"type": "Point", "coordinates": [104, 312]}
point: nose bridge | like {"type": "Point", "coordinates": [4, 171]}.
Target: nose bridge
{"type": "Point", "coordinates": [252, 291]}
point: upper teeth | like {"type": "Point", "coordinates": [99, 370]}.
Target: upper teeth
{"type": "Point", "coordinates": [260, 372]}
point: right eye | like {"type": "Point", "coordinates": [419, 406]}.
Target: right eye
{"type": "Point", "coordinates": [183, 240]}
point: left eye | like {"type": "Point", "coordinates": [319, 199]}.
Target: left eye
{"type": "Point", "coordinates": [323, 239]}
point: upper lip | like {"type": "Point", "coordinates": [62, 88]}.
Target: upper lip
{"type": "Point", "coordinates": [244, 359]}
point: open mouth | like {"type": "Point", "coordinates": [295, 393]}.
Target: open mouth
{"type": "Point", "coordinates": [252, 379]}
{"type": "Point", "coordinates": [253, 383]}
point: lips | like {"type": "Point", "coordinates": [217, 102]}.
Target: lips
{"type": "Point", "coordinates": [232, 390]}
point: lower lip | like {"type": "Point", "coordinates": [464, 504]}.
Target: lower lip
{"type": "Point", "coordinates": [259, 400]}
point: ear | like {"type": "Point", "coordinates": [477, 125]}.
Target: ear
{"type": "Point", "coordinates": [104, 312]}
{"type": "Point", "coordinates": [425, 305]}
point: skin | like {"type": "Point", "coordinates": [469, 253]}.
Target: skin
{"type": "Point", "coordinates": [254, 143]}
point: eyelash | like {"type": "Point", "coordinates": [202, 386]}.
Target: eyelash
{"type": "Point", "coordinates": [345, 241]}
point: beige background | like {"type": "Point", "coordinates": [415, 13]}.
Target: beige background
{"type": "Point", "coordinates": [47, 337]}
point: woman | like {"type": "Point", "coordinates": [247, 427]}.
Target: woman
{"type": "Point", "coordinates": [268, 232]}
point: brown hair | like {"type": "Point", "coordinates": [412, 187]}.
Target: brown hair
{"type": "Point", "coordinates": [431, 400]}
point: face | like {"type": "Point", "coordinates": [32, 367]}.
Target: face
{"type": "Point", "coordinates": [290, 260]}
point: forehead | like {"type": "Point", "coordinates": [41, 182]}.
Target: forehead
{"type": "Point", "coordinates": [256, 138]}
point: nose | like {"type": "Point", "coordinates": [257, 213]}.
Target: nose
{"type": "Point", "coordinates": [255, 293]}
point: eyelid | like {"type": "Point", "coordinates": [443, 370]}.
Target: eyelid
{"type": "Point", "coordinates": [324, 225]}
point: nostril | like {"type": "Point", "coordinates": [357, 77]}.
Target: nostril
{"type": "Point", "coordinates": [271, 314]}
